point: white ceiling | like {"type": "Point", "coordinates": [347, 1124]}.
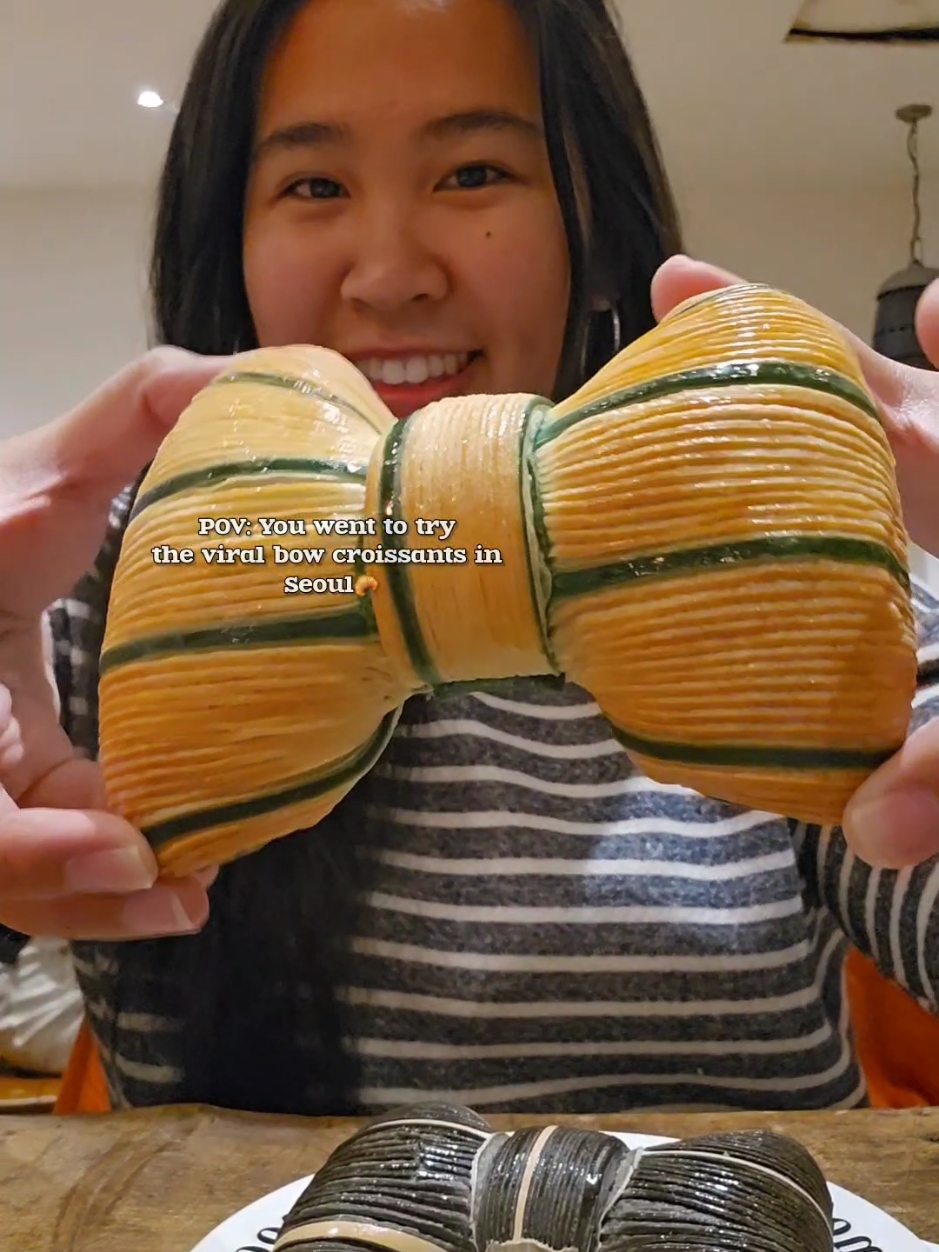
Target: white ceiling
{"type": "Point", "coordinates": [729, 96]}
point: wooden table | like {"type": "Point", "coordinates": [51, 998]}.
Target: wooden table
{"type": "Point", "coordinates": [157, 1180]}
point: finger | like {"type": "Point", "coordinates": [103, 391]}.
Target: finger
{"type": "Point", "coordinates": [38, 765]}
{"type": "Point", "coordinates": [892, 819]}
{"type": "Point", "coordinates": [68, 781]}
{"type": "Point", "coordinates": [51, 852]}
{"type": "Point", "coordinates": [927, 322]}
{"type": "Point", "coordinates": [906, 397]}
{"type": "Point", "coordinates": [112, 435]}
{"type": "Point", "coordinates": [74, 785]}
{"type": "Point", "coordinates": [206, 876]}
{"type": "Point", "coordinates": [32, 740]}
{"type": "Point", "coordinates": [679, 278]}
{"type": "Point", "coordinates": [169, 908]}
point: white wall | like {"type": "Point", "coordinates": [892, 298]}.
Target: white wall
{"type": "Point", "coordinates": [925, 567]}
{"type": "Point", "coordinates": [73, 273]}
{"type": "Point", "coordinates": [72, 284]}
{"type": "Point", "coordinates": [831, 244]}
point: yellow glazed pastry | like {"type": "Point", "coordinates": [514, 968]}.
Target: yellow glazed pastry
{"type": "Point", "coordinates": [707, 537]}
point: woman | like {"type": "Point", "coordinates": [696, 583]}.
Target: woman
{"type": "Point", "coordinates": [504, 910]}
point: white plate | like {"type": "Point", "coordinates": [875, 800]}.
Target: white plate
{"type": "Point", "coordinates": [254, 1229]}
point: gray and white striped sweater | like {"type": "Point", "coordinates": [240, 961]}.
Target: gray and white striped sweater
{"type": "Point", "coordinates": [547, 929]}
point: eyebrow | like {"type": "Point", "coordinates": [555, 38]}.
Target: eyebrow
{"type": "Point", "coordinates": [470, 122]}
{"type": "Point", "coordinates": [475, 120]}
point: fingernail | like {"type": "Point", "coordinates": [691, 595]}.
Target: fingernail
{"type": "Point", "coordinates": [116, 870]}
{"type": "Point", "coordinates": [897, 829]}
{"type": "Point", "coordinates": [159, 911]}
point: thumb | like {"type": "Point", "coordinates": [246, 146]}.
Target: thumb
{"type": "Point", "coordinates": [679, 278]}
{"type": "Point", "coordinates": [927, 322]}
{"type": "Point", "coordinates": [105, 442]}
{"type": "Point", "coordinates": [892, 820]}
{"type": "Point", "coordinates": [906, 396]}
{"type": "Point", "coordinates": [57, 483]}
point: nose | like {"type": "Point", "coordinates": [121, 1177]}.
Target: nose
{"type": "Point", "coordinates": [391, 265]}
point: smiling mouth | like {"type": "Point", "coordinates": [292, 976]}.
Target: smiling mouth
{"type": "Point", "coordinates": [417, 370]}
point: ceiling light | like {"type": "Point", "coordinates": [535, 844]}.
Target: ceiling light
{"type": "Point", "coordinates": [150, 100]}
{"type": "Point", "coordinates": [867, 21]}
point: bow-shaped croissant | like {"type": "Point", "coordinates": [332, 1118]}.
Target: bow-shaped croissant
{"type": "Point", "coordinates": [435, 1178]}
{"type": "Point", "coordinates": [706, 537]}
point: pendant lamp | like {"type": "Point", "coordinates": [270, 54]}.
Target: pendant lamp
{"type": "Point", "coordinates": [894, 329]}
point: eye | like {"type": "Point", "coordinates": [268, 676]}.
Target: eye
{"type": "Point", "coordinates": [314, 189]}
{"type": "Point", "coordinates": [472, 177]}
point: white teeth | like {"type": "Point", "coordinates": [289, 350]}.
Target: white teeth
{"type": "Point", "coordinates": [417, 370]}
{"type": "Point", "coordinates": [394, 373]}
{"type": "Point", "coordinates": [414, 369]}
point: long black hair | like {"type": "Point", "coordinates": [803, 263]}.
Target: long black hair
{"type": "Point", "coordinates": [258, 987]}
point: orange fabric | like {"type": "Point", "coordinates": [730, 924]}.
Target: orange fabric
{"type": "Point", "coordinates": [897, 1041]}
{"type": "Point", "coordinates": [84, 1088]}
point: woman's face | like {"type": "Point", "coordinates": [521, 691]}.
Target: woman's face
{"type": "Point", "coordinates": [400, 207]}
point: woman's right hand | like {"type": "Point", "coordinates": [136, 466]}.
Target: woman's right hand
{"type": "Point", "coordinates": [68, 867]}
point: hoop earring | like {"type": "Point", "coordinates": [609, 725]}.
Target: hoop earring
{"type": "Point", "coordinates": [594, 327]}
{"type": "Point", "coordinates": [617, 329]}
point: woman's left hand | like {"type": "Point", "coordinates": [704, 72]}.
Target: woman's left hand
{"type": "Point", "coordinates": [893, 818]}
{"type": "Point", "coordinates": [68, 866]}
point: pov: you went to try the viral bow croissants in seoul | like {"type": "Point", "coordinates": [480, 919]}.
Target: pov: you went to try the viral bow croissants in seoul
{"type": "Point", "coordinates": [656, 533]}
